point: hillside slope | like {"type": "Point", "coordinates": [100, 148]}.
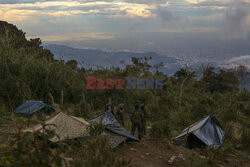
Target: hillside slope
{"type": "Point", "coordinates": [93, 58]}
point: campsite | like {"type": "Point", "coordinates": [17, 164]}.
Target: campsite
{"type": "Point", "coordinates": [49, 118]}
{"type": "Point", "coordinates": [202, 137]}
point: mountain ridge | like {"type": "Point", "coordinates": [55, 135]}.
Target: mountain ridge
{"type": "Point", "coordinates": [91, 58]}
{"type": "Point", "coordinates": [96, 58]}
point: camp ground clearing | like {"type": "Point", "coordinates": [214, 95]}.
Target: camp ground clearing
{"type": "Point", "coordinates": [206, 133]}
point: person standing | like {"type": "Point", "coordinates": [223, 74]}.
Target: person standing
{"type": "Point", "coordinates": [136, 119]}
{"type": "Point", "coordinates": [144, 113]}
{"type": "Point", "coordinates": [119, 114]}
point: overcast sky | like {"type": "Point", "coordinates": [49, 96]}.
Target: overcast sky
{"type": "Point", "coordinates": [129, 23]}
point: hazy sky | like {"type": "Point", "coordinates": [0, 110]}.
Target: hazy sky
{"type": "Point", "coordinates": [129, 23]}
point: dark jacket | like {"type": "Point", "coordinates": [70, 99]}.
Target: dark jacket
{"type": "Point", "coordinates": [136, 116]}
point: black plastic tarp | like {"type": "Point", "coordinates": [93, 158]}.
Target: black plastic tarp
{"type": "Point", "coordinates": [208, 130]}
{"type": "Point", "coordinates": [112, 125]}
{"type": "Point", "coordinates": [30, 107]}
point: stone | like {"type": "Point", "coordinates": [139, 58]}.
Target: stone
{"type": "Point", "coordinates": [171, 160]}
{"type": "Point", "coordinates": [181, 157]}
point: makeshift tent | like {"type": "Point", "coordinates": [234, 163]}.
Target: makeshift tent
{"type": "Point", "coordinates": [65, 127]}
{"type": "Point", "coordinates": [29, 107]}
{"type": "Point", "coordinates": [115, 131]}
{"type": "Point", "coordinates": [207, 131]}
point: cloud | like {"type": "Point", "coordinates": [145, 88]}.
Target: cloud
{"type": "Point", "coordinates": [212, 4]}
{"type": "Point", "coordinates": [155, 2]}
{"type": "Point", "coordinates": [16, 15]}
{"type": "Point", "coordinates": [121, 8]}
{"type": "Point", "coordinates": [69, 8]}
{"type": "Point", "coordinates": [236, 25]}
{"type": "Point", "coordinates": [16, 1]}
{"type": "Point", "coordinates": [195, 1]}
{"type": "Point", "coordinates": [72, 12]}
{"type": "Point", "coordinates": [237, 61]}
{"type": "Point", "coordinates": [166, 15]}
{"type": "Point", "coordinates": [85, 1]}
{"type": "Point", "coordinates": [75, 37]}
{"type": "Point", "coordinates": [21, 15]}
{"type": "Point", "coordinates": [189, 30]}
{"type": "Point", "coordinates": [133, 12]}
{"type": "Point", "coordinates": [124, 16]}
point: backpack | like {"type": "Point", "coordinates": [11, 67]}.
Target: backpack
{"type": "Point", "coordinates": [137, 116]}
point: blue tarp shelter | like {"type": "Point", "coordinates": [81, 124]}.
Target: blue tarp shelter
{"type": "Point", "coordinates": [112, 125]}
{"type": "Point", "coordinates": [29, 107]}
{"type": "Point", "coordinates": [207, 131]}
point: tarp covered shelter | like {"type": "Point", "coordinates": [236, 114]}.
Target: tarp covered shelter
{"type": "Point", "coordinates": [65, 127]}
{"type": "Point", "coordinates": [207, 131]}
{"type": "Point", "coordinates": [29, 107]}
{"type": "Point", "coordinates": [115, 131]}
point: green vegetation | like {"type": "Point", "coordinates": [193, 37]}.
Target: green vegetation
{"type": "Point", "coordinates": [26, 149]}
{"type": "Point", "coordinates": [27, 71]}
{"type": "Point", "coordinates": [96, 152]}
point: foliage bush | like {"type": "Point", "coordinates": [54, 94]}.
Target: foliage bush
{"type": "Point", "coordinates": [96, 129]}
{"type": "Point", "coordinates": [33, 149]}
{"type": "Point", "coordinates": [159, 129]}
{"type": "Point", "coordinates": [97, 153]}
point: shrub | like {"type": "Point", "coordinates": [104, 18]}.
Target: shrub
{"type": "Point", "coordinates": [96, 129]}
{"type": "Point", "coordinates": [97, 153]}
{"type": "Point", "coordinates": [33, 149]}
{"type": "Point", "coordinates": [159, 129]}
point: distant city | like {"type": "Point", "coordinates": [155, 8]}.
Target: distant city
{"type": "Point", "coordinates": [103, 58]}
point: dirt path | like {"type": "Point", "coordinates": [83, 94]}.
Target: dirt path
{"type": "Point", "coordinates": [146, 154]}
{"type": "Point", "coordinates": [149, 153]}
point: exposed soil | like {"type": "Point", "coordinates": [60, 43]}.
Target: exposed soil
{"type": "Point", "coordinates": [150, 153]}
